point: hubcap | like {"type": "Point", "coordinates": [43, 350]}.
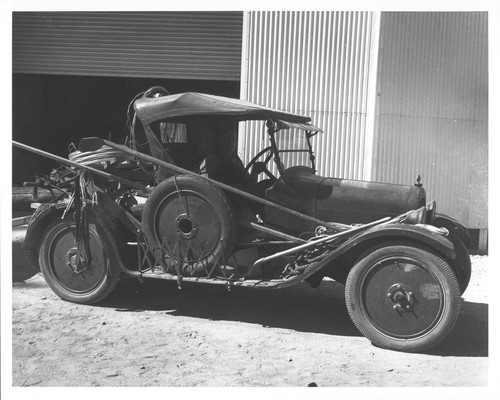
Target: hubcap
{"type": "Point", "coordinates": [401, 297]}
{"type": "Point", "coordinates": [72, 262]}
{"type": "Point", "coordinates": [71, 259]}
{"type": "Point", "coordinates": [186, 227]}
{"type": "Point", "coordinates": [64, 264]}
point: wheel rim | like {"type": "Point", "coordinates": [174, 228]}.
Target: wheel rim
{"type": "Point", "coordinates": [61, 255]}
{"type": "Point", "coordinates": [188, 226]}
{"type": "Point", "coordinates": [402, 297]}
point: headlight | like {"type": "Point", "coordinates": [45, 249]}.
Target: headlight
{"type": "Point", "coordinates": [431, 212]}
{"type": "Point", "coordinates": [416, 216]}
{"type": "Point", "coordinates": [423, 215]}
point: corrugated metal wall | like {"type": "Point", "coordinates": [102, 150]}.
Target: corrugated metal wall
{"type": "Point", "coordinates": [433, 109]}
{"type": "Point", "coordinates": [178, 45]}
{"type": "Point", "coordinates": [315, 64]}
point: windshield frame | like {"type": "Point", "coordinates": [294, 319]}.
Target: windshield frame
{"type": "Point", "coordinates": [274, 127]}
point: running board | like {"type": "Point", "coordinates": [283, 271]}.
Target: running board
{"type": "Point", "coordinates": [241, 281]}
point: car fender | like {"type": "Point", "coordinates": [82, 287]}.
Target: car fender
{"type": "Point", "coordinates": [455, 228]}
{"type": "Point", "coordinates": [390, 232]}
{"type": "Point", "coordinates": [40, 219]}
{"type": "Point", "coordinates": [340, 260]}
{"type": "Point", "coordinates": [350, 250]}
{"type": "Point", "coordinates": [45, 213]}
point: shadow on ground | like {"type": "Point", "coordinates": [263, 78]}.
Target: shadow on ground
{"type": "Point", "coordinates": [469, 338]}
{"type": "Point", "coordinates": [299, 308]}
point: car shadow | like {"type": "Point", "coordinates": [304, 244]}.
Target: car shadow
{"type": "Point", "coordinates": [298, 308]}
{"type": "Point", "coordinates": [469, 337]}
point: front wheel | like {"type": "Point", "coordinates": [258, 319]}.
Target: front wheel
{"type": "Point", "coordinates": [403, 297]}
{"type": "Point", "coordinates": [57, 256]}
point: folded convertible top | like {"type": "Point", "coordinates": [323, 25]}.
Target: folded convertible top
{"type": "Point", "coordinates": [198, 104]}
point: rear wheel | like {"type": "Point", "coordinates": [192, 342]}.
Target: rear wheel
{"type": "Point", "coordinates": [403, 298]}
{"type": "Point", "coordinates": [57, 258]}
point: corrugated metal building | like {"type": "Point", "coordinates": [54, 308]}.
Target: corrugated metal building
{"type": "Point", "coordinates": [428, 114]}
{"type": "Point", "coordinates": [432, 109]}
{"type": "Point", "coordinates": [316, 64]}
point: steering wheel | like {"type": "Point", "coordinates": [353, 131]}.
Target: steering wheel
{"type": "Point", "coordinates": [155, 91]}
{"type": "Point", "coordinates": [255, 167]}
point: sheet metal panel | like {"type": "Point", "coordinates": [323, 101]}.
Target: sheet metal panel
{"type": "Point", "coordinates": [433, 109]}
{"type": "Point", "coordinates": [181, 45]}
{"type": "Point", "coordinates": [315, 64]}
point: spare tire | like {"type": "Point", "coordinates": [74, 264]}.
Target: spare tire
{"type": "Point", "coordinates": [188, 220]}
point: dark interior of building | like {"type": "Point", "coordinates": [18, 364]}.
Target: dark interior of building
{"type": "Point", "coordinates": [52, 111]}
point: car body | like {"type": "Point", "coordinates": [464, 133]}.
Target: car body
{"type": "Point", "coordinates": [195, 213]}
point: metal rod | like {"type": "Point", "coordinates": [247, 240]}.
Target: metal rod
{"type": "Point", "coordinates": [314, 243]}
{"type": "Point", "coordinates": [229, 188]}
{"type": "Point", "coordinates": [270, 231]}
{"type": "Point", "coordinates": [294, 151]}
{"type": "Point", "coordinates": [20, 221]}
{"type": "Point", "coordinates": [81, 166]}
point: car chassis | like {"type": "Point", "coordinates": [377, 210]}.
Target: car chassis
{"type": "Point", "coordinates": [404, 272]}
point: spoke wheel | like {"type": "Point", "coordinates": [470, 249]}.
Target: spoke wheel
{"type": "Point", "coordinates": [190, 221]}
{"type": "Point", "coordinates": [57, 262]}
{"type": "Point", "coordinates": [403, 298]}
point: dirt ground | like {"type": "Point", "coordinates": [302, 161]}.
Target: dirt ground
{"type": "Point", "coordinates": [156, 335]}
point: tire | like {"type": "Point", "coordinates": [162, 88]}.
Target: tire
{"type": "Point", "coordinates": [403, 298]}
{"type": "Point", "coordinates": [90, 286]}
{"type": "Point", "coordinates": [461, 265]}
{"type": "Point", "coordinates": [462, 269]}
{"type": "Point", "coordinates": [188, 218]}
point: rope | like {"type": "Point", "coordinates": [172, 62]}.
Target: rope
{"type": "Point", "coordinates": [185, 206]}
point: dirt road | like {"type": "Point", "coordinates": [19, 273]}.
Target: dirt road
{"type": "Point", "coordinates": [155, 335]}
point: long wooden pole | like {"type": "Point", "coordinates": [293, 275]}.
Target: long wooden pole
{"type": "Point", "coordinates": [177, 169]}
{"type": "Point", "coordinates": [229, 188]}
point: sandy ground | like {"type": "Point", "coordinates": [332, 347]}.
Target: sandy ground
{"type": "Point", "coordinates": [156, 335]}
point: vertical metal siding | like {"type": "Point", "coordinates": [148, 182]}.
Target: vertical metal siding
{"type": "Point", "coordinates": [315, 64]}
{"type": "Point", "coordinates": [183, 45]}
{"type": "Point", "coordinates": [433, 109]}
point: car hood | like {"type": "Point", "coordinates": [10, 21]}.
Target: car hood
{"type": "Point", "coordinates": [199, 104]}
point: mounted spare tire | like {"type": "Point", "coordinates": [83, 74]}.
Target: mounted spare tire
{"type": "Point", "coordinates": [188, 220]}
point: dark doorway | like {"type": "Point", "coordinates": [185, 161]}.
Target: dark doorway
{"type": "Point", "coordinates": [52, 111]}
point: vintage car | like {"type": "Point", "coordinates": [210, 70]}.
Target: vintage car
{"type": "Point", "coordinates": [176, 202]}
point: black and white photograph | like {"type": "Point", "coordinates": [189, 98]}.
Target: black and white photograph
{"type": "Point", "coordinates": [234, 197]}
